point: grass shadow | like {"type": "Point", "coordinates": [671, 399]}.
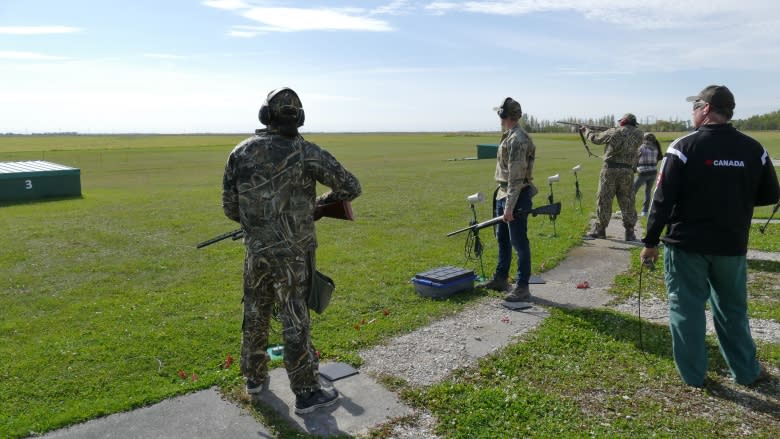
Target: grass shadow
{"type": "Point", "coordinates": [763, 265]}
{"type": "Point", "coordinates": [746, 397]}
{"type": "Point", "coordinates": [656, 341]}
{"type": "Point", "coordinates": [647, 337]}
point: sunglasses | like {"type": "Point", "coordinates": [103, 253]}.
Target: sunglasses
{"type": "Point", "coordinates": [698, 104]}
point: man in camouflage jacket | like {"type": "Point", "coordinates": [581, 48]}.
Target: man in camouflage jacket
{"type": "Point", "coordinates": [269, 188]}
{"type": "Point", "coordinates": [617, 175]}
{"type": "Point", "coordinates": [514, 175]}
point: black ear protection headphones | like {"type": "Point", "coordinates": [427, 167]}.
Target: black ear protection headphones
{"type": "Point", "coordinates": [266, 115]}
{"type": "Point", "coordinates": [503, 110]}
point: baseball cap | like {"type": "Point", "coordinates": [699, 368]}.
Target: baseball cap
{"type": "Point", "coordinates": [719, 96]}
{"type": "Point", "coordinates": [629, 118]}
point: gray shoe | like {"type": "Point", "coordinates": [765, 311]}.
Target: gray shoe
{"type": "Point", "coordinates": [495, 284]}
{"type": "Point", "coordinates": [520, 293]}
{"type": "Point", "coordinates": [257, 385]}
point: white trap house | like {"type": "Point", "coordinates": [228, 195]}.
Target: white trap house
{"type": "Point", "coordinates": [38, 179]}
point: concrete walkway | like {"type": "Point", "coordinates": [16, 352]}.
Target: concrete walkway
{"type": "Point", "coordinates": [365, 403]}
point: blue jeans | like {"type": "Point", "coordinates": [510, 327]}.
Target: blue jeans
{"type": "Point", "coordinates": [646, 180]}
{"type": "Point", "coordinates": [514, 235]}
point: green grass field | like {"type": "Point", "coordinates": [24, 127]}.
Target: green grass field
{"type": "Point", "coordinates": [107, 305]}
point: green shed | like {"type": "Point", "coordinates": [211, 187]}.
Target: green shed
{"type": "Point", "coordinates": [34, 179]}
{"type": "Point", "coordinates": [487, 150]}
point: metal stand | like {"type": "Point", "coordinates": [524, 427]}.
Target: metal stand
{"type": "Point", "coordinates": [551, 200]}
{"type": "Point", "coordinates": [577, 193]}
{"type": "Point", "coordinates": [762, 229]}
{"type": "Point", "coordinates": [478, 248]}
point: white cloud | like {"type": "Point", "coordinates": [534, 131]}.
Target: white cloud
{"type": "Point", "coordinates": [239, 33]}
{"type": "Point", "coordinates": [299, 19]}
{"type": "Point", "coordinates": [649, 14]}
{"type": "Point", "coordinates": [166, 56]}
{"type": "Point", "coordinates": [37, 30]}
{"type": "Point", "coordinates": [29, 56]}
{"type": "Point", "coordinates": [290, 19]}
{"type": "Point", "coordinates": [226, 4]}
{"type": "Point", "coordinates": [724, 34]}
{"type": "Point", "coordinates": [395, 7]}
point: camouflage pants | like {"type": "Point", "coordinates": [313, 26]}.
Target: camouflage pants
{"type": "Point", "coordinates": [615, 182]}
{"type": "Point", "coordinates": [285, 281]}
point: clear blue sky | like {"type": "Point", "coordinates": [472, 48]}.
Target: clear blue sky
{"type": "Point", "coordinates": [179, 66]}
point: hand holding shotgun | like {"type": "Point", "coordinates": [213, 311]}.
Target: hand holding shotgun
{"type": "Point", "coordinates": [335, 209]}
{"type": "Point", "coordinates": [550, 209]}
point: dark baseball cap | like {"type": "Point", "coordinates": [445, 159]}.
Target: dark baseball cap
{"type": "Point", "coordinates": [629, 118]}
{"type": "Point", "coordinates": [719, 96]}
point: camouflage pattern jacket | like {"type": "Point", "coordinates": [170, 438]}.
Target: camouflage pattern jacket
{"type": "Point", "coordinates": [622, 144]}
{"type": "Point", "coordinates": [514, 165]}
{"type": "Point", "coordinates": [269, 187]}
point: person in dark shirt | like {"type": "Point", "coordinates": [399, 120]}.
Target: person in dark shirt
{"type": "Point", "coordinates": [709, 182]}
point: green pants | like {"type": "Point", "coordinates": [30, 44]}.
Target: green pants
{"type": "Point", "coordinates": [615, 183]}
{"type": "Point", "coordinates": [692, 279]}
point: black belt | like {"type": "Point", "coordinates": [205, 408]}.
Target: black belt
{"type": "Point", "coordinates": [613, 165]}
{"type": "Point", "coordinates": [504, 185]}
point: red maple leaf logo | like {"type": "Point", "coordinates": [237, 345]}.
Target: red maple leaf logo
{"type": "Point", "coordinates": [708, 162]}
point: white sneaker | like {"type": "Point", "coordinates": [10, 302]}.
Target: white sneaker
{"type": "Point", "coordinates": [642, 213]}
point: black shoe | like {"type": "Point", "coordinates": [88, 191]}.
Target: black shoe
{"type": "Point", "coordinates": [310, 401]}
{"type": "Point", "coordinates": [495, 284]}
{"type": "Point", "coordinates": [630, 236]}
{"type": "Point", "coordinates": [256, 385]}
{"type": "Point", "coordinates": [764, 377]}
{"type": "Point", "coordinates": [520, 293]}
{"type": "Point", "coordinates": [595, 235]}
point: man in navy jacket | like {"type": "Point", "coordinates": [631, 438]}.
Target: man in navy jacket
{"type": "Point", "coordinates": [709, 182]}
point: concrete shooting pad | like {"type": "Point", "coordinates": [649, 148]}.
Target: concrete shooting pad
{"type": "Point", "coordinates": [204, 414]}
{"type": "Point", "coordinates": [362, 405]}
{"type": "Point", "coordinates": [517, 306]}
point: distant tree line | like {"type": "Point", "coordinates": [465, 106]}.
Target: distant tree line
{"type": "Point", "coordinates": [63, 133]}
{"type": "Point", "coordinates": [763, 122]}
{"type": "Point", "coordinates": [769, 121]}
